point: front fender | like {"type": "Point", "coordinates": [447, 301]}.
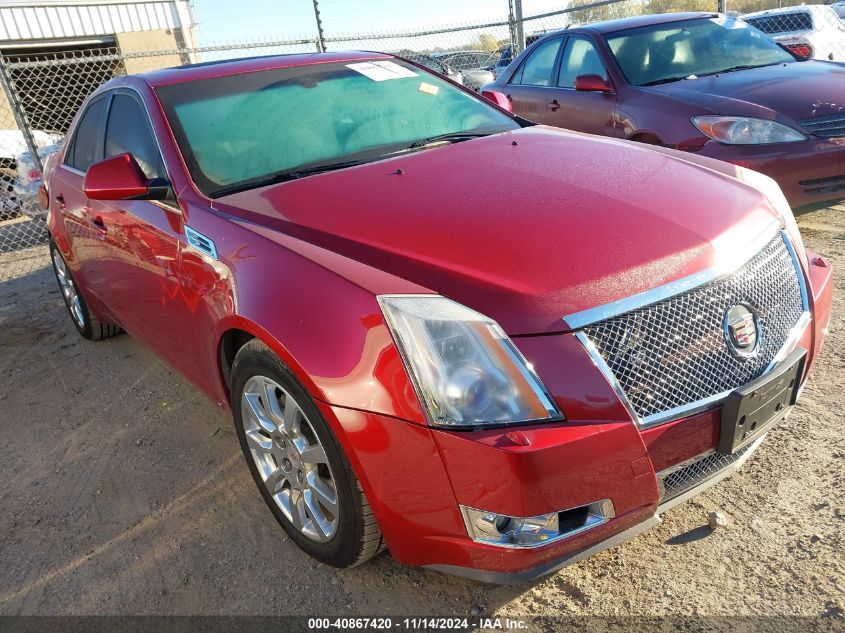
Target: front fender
{"type": "Point", "coordinates": [319, 313]}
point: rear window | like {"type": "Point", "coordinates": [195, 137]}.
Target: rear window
{"type": "Point", "coordinates": [783, 22]}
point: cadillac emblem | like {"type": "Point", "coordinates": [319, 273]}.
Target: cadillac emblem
{"type": "Point", "coordinates": [742, 331]}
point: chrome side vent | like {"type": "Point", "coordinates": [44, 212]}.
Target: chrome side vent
{"type": "Point", "coordinates": [201, 242]}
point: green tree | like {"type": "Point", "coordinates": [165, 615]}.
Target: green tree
{"type": "Point", "coordinates": [487, 42]}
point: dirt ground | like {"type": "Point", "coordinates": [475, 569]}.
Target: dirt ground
{"type": "Point", "coordinates": [123, 491]}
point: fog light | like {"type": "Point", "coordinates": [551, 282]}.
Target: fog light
{"type": "Point", "coordinates": [525, 532]}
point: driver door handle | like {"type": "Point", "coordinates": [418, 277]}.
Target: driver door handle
{"type": "Point", "coordinates": [554, 106]}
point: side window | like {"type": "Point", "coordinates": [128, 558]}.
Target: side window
{"type": "Point", "coordinates": [579, 58]}
{"type": "Point", "coordinates": [537, 69]}
{"type": "Point", "coordinates": [128, 130]}
{"type": "Point", "coordinates": [83, 150]}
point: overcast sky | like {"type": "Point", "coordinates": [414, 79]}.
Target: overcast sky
{"type": "Point", "coordinates": [232, 20]}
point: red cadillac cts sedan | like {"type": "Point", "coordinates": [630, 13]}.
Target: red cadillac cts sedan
{"type": "Point", "coordinates": [491, 347]}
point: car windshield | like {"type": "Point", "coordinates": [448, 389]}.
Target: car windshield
{"type": "Point", "coordinates": [243, 131]}
{"type": "Point", "coordinates": [670, 52]}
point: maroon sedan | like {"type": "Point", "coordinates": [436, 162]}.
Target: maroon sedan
{"type": "Point", "coordinates": [492, 347]}
{"type": "Point", "coordinates": [698, 82]}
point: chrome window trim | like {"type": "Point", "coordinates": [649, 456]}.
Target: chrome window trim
{"type": "Point", "coordinates": [679, 287]}
{"type": "Point", "coordinates": [72, 170]}
{"type": "Point", "coordinates": [578, 320]}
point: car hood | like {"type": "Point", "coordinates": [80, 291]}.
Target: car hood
{"type": "Point", "coordinates": [796, 91]}
{"type": "Point", "coordinates": [526, 226]}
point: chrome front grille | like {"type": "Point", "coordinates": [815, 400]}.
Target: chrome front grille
{"type": "Point", "coordinates": [830, 126]}
{"type": "Point", "coordinates": [669, 355]}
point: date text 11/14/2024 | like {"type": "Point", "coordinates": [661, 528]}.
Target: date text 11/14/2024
{"type": "Point", "coordinates": [416, 623]}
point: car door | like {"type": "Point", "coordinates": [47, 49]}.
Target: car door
{"type": "Point", "coordinates": [592, 112]}
{"type": "Point", "coordinates": [143, 289]}
{"type": "Point", "coordinates": [531, 87]}
{"type": "Point", "coordinates": [86, 239]}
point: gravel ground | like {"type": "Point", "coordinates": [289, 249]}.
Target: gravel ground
{"type": "Point", "coordinates": [123, 491]}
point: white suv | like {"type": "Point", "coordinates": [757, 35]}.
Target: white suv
{"type": "Point", "coordinates": [812, 30]}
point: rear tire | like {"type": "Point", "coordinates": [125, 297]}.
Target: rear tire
{"type": "Point", "coordinates": [88, 325]}
{"type": "Point", "coordinates": [298, 464]}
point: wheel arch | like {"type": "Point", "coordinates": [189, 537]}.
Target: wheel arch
{"type": "Point", "coordinates": [236, 332]}
{"type": "Point", "coordinates": [645, 136]}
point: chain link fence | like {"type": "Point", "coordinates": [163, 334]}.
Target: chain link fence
{"type": "Point", "coordinates": [41, 92]}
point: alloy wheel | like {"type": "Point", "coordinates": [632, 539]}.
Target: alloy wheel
{"type": "Point", "coordinates": [69, 290]}
{"type": "Point", "coordinates": [290, 458]}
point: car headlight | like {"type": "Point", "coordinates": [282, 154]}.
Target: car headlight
{"type": "Point", "coordinates": [738, 130]}
{"type": "Point", "coordinates": [466, 370]}
{"type": "Point", "coordinates": [769, 188]}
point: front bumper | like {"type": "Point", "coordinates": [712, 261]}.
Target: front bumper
{"type": "Point", "coordinates": [811, 173]}
{"type": "Point", "coordinates": [703, 482]}
{"type": "Point", "coordinates": [416, 478]}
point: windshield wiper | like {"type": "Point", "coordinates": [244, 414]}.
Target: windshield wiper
{"type": "Point", "coordinates": [667, 80]}
{"type": "Point", "coordinates": [736, 68]}
{"type": "Point", "coordinates": [454, 137]}
{"type": "Point", "coordinates": [283, 176]}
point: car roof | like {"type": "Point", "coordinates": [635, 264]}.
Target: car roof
{"type": "Point", "coordinates": [223, 68]}
{"type": "Point", "coordinates": [621, 24]}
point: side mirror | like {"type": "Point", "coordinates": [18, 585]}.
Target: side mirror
{"type": "Point", "coordinates": [592, 83]}
{"type": "Point", "coordinates": [498, 98]}
{"type": "Point", "coordinates": [120, 178]}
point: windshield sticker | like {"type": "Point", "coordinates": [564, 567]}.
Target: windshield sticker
{"type": "Point", "coordinates": [428, 89]}
{"type": "Point", "coordinates": [382, 71]}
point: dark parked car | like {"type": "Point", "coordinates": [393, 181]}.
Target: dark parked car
{"type": "Point", "coordinates": [700, 82]}
{"type": "Point", "coordinates": [432, 63]}
{"type": "Point", "coordinates": [476, 67]}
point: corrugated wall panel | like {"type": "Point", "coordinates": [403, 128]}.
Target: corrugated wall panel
{"type": "Point", "coordinates": [50, 22]}
{"type": "Point", "coordinates": [76, 27]}
{"type": "Point", "coordinates": [20, 23]}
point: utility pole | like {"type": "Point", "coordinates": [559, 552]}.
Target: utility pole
{"type": "Point", "coordinates": [512, 28]}
{"type": "Point", "coordinates": [520, 32]}
{"type": "Point", "coordinates": [321, 39]}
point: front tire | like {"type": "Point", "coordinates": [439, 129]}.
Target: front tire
{"type": "Point", "coordinates": [88, 325]}
{"type": "Point", "coordinates": [297, 463]}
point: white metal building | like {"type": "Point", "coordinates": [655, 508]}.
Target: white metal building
{"type": "Point", "coordinates": [70, 47]}
{"type": "Point", "coordinates": [39, 24]}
